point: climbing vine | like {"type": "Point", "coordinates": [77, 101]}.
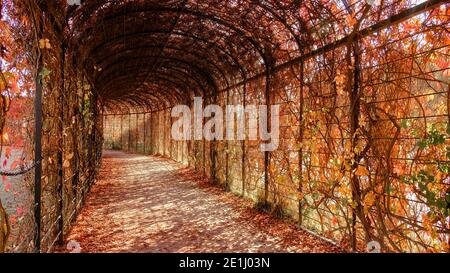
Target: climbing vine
{"type": "Point", "coordinates": [363, 88]}
{"type": "Point", "coordinates": [37, 54]}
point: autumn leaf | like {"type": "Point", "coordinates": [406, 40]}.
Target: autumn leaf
{"type": "Point", "coordinates": [44, 44]}
{"type": "Point", "coordinates": [2, 83]}
{"type": "Point", "coordinates": [351, 21]}
{"type": "Point", "coordinates": [369, 200]}
{"type": "Point", "coordinates": [8, 152]}
{"type": "Point", "coordinates": [44, 73]}
{"type": "Point", "coordinates": [8, 187]}
{"type": "Point", "coordinates": [13, 165]}
{"type": "Point", "coordinates": [362, 171]}
{"type": "Point", "coordinates": [339, 80]}
{"type": "Point", "coordinates": [66, 163]}
{"type": "Point", "coordinates": [69, 156]}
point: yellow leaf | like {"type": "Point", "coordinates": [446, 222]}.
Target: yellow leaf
{"type": "Point", "coordinates": [6, 102]}
{"type": "Point", "coordinates": [5, 137]}
{"type": "Point", "coordinates": [41, 43]}
{"type": "Point", "coordinates": [369, 200]}
{"type": "Point", "coordinates": [362, 171]}
{"type": "Point", "coordinates": [69, 156]}
{"type": "Point", "coordinates": [2, 84]}
{"type": "Point", "coordinates": [339, 79]}
{"type": "Point", "coordinates": [351, 21]}
{"type": "Point", "coordinates": [44, 43]}
{"type": "Point", "coordinates": [66, 164]}
{"type": "Point", "coordinates": [347, 166]}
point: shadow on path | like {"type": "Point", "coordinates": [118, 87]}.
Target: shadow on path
{"type": "Point", "coordinates": [152, 204]}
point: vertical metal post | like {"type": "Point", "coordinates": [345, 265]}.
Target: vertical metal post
{"type": "Point", "coordinates": [227, 101]}
{"type": "Point", "coordinates": [448, 190]}
{"type": "Point", "coordinates": [267, 154]}
{"type": "Point", "coordinates": [113, 139]}
{"type": "Point", "coordinates": [38, 155]}
{"type": "Point", "coordinates": [61, 151]}
{"type": "Point", "coordinates": [178, 150]}
{"type": "Point", "coordinates": [129, 131]}
{"type": "Point", "coordinates": [182, 151]}
{"type": "Point", "coordinates": [166, 138]}
{"type": "Point", "coordinates": [94, 136]}
{"type": "Point", "coordinates": [300, 150]}
{"type": "Point", "coordinates": [354, 114]}
{"type": "Point", "coordinates": [145, 132]}
{"type": "Point", "coordinates": [244, 102]}
{"type": "Point", "coordinates": [203, 151]}
{"type": "Point", "coordinates": [151, 133]}
{"type": "Point", "coordinates": [164, 133]}
{"type": "Point", "coordinates": [169, 119]}
{"type": "Point", "coordinates": [121, 131]}
{"type": "Point", "coordinates": [137, 133]}
{"type": "Point", "coordinates": [157, 133]}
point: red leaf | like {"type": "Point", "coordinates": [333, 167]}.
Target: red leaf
{"type": "Point", "coordinates": [13, 165]}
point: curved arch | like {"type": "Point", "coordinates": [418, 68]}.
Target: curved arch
{"type": "Point", "coordinates": [185, 46]}
{"type": "Point", "coordinates": [190, 65]}
{"type": "Point", "coordinates": [201, 57]}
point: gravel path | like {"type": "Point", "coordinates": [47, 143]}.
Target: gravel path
{"type": "Point", "coordinates": [152, 204]}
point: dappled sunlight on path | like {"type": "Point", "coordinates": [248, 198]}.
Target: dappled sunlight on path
{"type": "Point", "coordinates": [152, 204]}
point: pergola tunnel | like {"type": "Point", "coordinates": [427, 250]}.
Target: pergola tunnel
{"type": "Point", "coordinates": [361, 91]}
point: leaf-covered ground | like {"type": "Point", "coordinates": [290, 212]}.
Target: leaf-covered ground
{"type": "Point", "coordinates": [151, 204]}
